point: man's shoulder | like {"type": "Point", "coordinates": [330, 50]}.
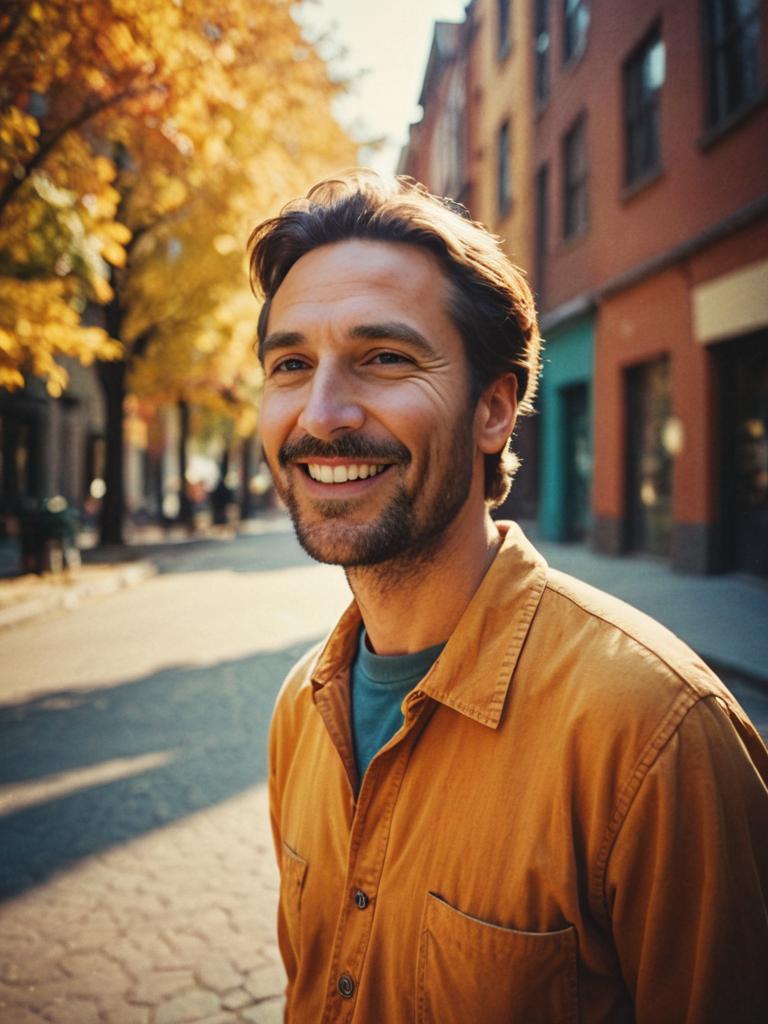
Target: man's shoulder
{"type": "Point", "coordinates": [619, 648]}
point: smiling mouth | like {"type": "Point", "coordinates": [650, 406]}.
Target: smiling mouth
{"type": "Point", "coordinates": [325, 474]}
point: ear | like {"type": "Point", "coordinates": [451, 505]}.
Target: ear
{"type": "Point", "coordinates": [496, 413]}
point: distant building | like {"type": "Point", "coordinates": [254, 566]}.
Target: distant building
{"type": "Point", "coordinates": [622, 152]}
{"type": "Point", "coordinates": [652, 243]}
{"type": "Point", "coordinates": [437, 153]}
{"type": "Point", "coordinates": [474, 144]}
{"type": "Point", "coordinates": [48, 446]}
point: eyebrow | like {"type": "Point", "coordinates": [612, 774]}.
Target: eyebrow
{"type": "Point", "coordinates": [395, 330]}
{"type": "Point", "coordinates": [388, 330]}
{"type": "Point", "coordinates": [279, 340]}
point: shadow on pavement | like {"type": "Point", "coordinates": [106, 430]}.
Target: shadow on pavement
{"type": "Point", "coordinates": [208, 724]}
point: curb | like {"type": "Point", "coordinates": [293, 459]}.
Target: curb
{"type": "Point", "coordinates": [67, 596]}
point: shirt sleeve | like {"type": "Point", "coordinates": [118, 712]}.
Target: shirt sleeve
{"type": "Point", "coordinates": [686, 884]}
{"type": "Point", "coordinates": [286, 952]}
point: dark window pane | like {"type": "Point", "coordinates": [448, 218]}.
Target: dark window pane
{"type": "Point", "coordinates": [503, 12]}
{"type": "Point", "coordinates": [541, 49]}
{"type": "Point", "coordinates": [575, 27]}
{"type": "Point", "coordinates": [504, 181]}
{"type": "Point", "coordinates": [575, 180]}
{"type": "Point", "coordinates": [644, 72]}
{"type": "Point", "coordinates": [733, 30]}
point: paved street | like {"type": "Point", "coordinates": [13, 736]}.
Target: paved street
{"type": "Point", "coordinates": [137, 869]}
{"type": "Point", "coordinates": [137, 875]}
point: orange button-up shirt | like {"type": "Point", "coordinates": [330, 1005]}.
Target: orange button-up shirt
{"type": "Point", "coordinates": [571, 825]}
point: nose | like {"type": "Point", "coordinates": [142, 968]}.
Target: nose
{"type": "Point", "coordinates": [331, 406]}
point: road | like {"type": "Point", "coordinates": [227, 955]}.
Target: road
{"type": "Point", "coordinates": [137, 875]}
{"type": "Point", "coordinates": [137, 867]}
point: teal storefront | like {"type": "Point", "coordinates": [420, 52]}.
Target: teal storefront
{"type": "Point", "coordinates": [566, 431]}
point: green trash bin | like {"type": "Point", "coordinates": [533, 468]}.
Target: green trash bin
{"type": "Point", "coordinates": [47, 531]}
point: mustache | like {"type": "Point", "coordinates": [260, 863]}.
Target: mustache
{"type": "Point", "coordinates": [350, 446]}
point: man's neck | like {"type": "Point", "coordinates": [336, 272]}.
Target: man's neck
{"type": "Point", "coordinates": [413, 604]}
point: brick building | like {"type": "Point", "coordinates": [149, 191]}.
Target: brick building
{"type": "Point", "coordinates": [642, 212]}
{"type": "Point", "coordinates": [476, 135]}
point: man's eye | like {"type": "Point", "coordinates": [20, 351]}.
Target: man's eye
{"type": "Point", "coordinates": [289, 365]}
{"type": "Point", "coordinates": [390, 358]}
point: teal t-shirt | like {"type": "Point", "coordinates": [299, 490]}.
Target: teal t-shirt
{"type": "Point", "coordinates": [379, 684]}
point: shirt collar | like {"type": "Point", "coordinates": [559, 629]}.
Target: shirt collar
{"type": "Point", "coordinates": [473, 673]}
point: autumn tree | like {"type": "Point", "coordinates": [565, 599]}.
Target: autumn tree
{"type": "Point", "coordinates": [167, 128]}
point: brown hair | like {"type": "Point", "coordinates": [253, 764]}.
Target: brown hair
{"type": "Point", "coordinates": [491, 303]}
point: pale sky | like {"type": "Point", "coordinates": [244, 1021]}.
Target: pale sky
{"type": "Point", "coordinates": [389, 40]}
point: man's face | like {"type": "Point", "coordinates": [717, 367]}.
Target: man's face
{"type": "Point", "coordinates": [366, 417]}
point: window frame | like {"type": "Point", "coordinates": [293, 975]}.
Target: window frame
{"type": "Point", "coordinates": [728, 49]}
{"type": "Point", "coordinates": [541, 227]}
{"type": "Point", "coordinates": [574, 42]}
{"type": "Point", "coordinates": [503, 28]}
{"type": "Point", "coordinates": [575, 181]}
{"type": "Point", "coordinates": [504, 168]}
{"type": "Point", "coordinates": [642, 111]}
{"type": "Point", "coordinates": [541, 54]}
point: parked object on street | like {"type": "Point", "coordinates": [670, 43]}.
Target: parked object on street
{"type": "Point", "coordinates": [48, 535]}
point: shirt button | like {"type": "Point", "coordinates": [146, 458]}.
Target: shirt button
{"type": "Point", "coordinates": [361, 900]}
{"type": "Point", "coordinates": [346, 986]}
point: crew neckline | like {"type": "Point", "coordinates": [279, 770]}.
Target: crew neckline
{"type": "Point", "coordinates": [395, 668]}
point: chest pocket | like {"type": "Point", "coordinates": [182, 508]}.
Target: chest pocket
{"type": "Point", "coordinates": [469, 970]}
{"type": "Point", "coordinates": [293, 871]}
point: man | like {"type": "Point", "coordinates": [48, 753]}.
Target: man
{"type": "Point", "coordinates": [496, 793]}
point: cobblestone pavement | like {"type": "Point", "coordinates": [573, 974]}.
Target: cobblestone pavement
{"type": "Point", "coordinates": [137, 875]}
{"type": "Point", "coordinates": [175, 926]}
{"type": "Point", "coordinates": [137, 881]}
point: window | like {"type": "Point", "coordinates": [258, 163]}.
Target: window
{"type": "Point", "coordinates": [504, 169]}
{"type": "Point", "coordinates": [575, 26]}
{"type": "Point", "coordinates": [575, 180]}
{"type": "Point", "coordinates": [643, 79]}
{"type": "Point", "coordinates": [649, 464]}
{"type": "Point", "coordinates": [541, 50]}
{"type": "Point", "coordinates": [448, 147]}
{"type": "Point", "coordinates": [733, 55]}
{"type": "Point", "coordinates": [503, 11]}
{"type": "Point", "coordinates": [542, 231]}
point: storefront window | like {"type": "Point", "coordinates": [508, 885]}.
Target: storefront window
{"type": "Point", "coordinates": [650, 454]}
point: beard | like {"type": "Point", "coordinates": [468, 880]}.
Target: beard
{"type": "Point", "coordinates": [409, 527]}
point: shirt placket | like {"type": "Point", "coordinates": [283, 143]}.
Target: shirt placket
{"type": "Point", "coordinates": [368, 842]}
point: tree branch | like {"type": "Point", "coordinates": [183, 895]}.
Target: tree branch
{"type": "Point", "coordinates": [88, 112]}
{"type": "Point", "coordinates": [14, 19]}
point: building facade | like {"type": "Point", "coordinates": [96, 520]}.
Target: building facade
{"type": "Point", "coordinates": [50, 447]}
{"type": "Point", "coordinates": [474, 144]}
{"type": "Point", "coordinates": [656, 125]}
{"type": "Point", "coordinates": [622, 152]}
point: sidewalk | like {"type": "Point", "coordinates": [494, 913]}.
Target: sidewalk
{"type": "Point", "coordinates": [724, 618]}
{"type": "Point", "coordinates": [105, 570]}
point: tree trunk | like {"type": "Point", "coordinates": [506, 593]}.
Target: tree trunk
{"type": "Point", "coordinates": [186, 511]}
{"type": "Point", "coordinates": [112, 378]}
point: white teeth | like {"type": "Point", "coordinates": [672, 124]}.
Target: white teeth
{"type": "Point", "coordinates": [341, 474]}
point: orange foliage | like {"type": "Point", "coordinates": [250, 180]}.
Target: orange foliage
{"type": "Point", "coordinates": [139, 141]}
